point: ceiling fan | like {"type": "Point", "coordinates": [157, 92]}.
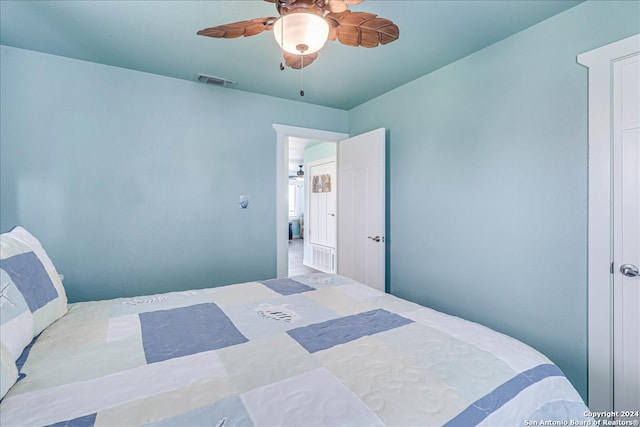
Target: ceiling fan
{"type": "Point", "coordinates": [305, 25]}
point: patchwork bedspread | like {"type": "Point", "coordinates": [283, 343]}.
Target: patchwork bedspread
{"type": "Point", "coordinates": [311, 350]}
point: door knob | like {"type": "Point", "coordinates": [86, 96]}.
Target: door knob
{"type": "Point", "coordinates": [375, 239]}
{"type": "Point", "coordinates": [629, 270]}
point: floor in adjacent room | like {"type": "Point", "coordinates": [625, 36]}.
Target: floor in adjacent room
{"type": "Point", "coordinates": [296, 255]}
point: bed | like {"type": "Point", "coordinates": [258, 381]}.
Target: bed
{"type": "Point", "coordinates": [318, 349]}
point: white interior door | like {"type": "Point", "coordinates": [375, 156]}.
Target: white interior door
{"type": "Point", "coordinates": [361, 208]}
{"type": "Point", "coordinates": [609, 96]}
{"type": "Point", "coordinates": [626, 234]}
{"type": "Point", "coordinates": [322, 203]}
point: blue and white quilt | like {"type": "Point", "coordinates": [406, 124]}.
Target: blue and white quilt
{"type": "Point", "coordinates": [315, 350]}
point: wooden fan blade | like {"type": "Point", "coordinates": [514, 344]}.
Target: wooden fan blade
{"type": "Point", "coordinates": [362, 29]}
{"type": "Point", "coordinates": [294, 61]}
{"type": "Point", "coordinates": [333, 27]}
{"type": "Point", "coordinates": [242, 28]}
{"type": "Point", "coordinates": [333, 31]}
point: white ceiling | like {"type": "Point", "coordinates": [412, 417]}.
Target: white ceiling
{"type": "Point", "coordinates": [160, 37]}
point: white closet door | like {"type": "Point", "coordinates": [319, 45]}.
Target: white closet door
{"type": "Point", "coordinates": [614, 236]}
{"type": "Point", "coordinates": [626, 235]}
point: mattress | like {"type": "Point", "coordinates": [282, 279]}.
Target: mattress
{"type": "Point", "coordinates": [318, 349]}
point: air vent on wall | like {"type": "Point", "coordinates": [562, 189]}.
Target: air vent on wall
{"type": "Point", "coordinates": [216, 81]}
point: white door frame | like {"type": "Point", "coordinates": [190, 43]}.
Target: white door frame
{"type": "Point", "coordinates": [283, 132]}
{"type": "Point", "coordinates": [600, 251]}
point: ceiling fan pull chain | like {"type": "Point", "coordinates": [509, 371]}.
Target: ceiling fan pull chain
{"type": "Point", "coordinates": [301, 74]}
{"type": "Point", "coordinates": [282, 44]}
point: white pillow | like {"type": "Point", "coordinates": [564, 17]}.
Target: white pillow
{"type": "Point", "coordinates": [16, 320]}
{"type": "Point", "coordinates": [31, 297]}
{"type": "Point", "coordinates": [30, 269]}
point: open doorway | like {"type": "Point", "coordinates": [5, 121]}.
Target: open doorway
{"type": "Point", "coordinates": [362, 225]}
{"type": "Point", "coordinates": [298, 207]}
{"type": "Point", "coordinates": [284, 136]}
{"type": "Point", "coordinates": [312, 204]}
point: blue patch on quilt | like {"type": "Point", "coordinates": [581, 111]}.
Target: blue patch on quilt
{"type": "Point", "coordinates": [23, 358]}
{"type": "Point", "coordinates": [85, 421]}
{"type": "Point", "coordinates": [483, 407]}
{"type": "Point", "coordinates": [186, 330]}
{"type": "Point", "coordinates": [31, 279]}
{"type": "Point", "coordinates": [25, 354]}
{"type": "Point", "coordinates": [321, 336]}
{"type": "Point", "coordinates": [286, 286]}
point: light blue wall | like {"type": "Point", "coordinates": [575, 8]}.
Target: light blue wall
{"type": "Point", "coordinates": [488, 182]}
{"type": "Point", "coordinates": [132, 180]}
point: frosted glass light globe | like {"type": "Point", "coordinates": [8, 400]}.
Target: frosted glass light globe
{"type": "Point", "coordinates": [301, 32]}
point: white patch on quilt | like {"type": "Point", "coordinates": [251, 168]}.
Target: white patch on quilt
{"type": "Point", "coordinates": [278, 312]}
{"type": "Point", "coordinates": [149, 300]}
{"type": "Point", "coordinates": [517, 355]}
{"type": "Point", "coordinates": [69, 401]}
{"type": "Point", "coordinates": [528, 401]}
{"type": "Point", "coordinates": [359, 291]}
{"type": "Point", "coordinates": [17, 333]}
{"type": "Point", "coordinates": [123, 327]}
{"type": "Point", "coordinates": [314, 398]}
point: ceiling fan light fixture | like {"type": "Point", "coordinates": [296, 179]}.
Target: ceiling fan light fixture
{"type": "Point", "coordinates": [301, 33]}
